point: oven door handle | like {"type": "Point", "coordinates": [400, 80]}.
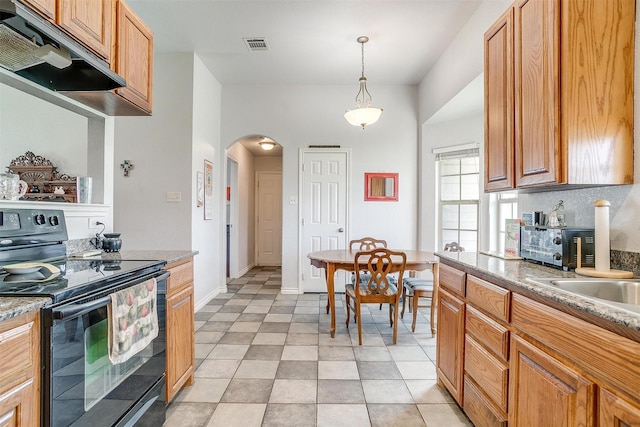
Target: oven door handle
{"type": "Point", "coordinates": [78, 309]}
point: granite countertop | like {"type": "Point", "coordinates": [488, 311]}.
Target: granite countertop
{"type": "Point", "coordinates": [170, 256]}
{"type": "Point", "coordinates": [520, 276]}
{"type": "Point", "coordinates": [14, 306]}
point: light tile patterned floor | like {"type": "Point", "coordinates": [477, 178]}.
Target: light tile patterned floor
{"type": "Point", "coordinates": [267, 359]}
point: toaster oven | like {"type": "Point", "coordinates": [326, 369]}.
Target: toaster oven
{"type": "Point", "coordinates": [557, 246]}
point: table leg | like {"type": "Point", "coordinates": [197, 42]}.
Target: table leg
{"type": "Point", "coordinates": [330, 271]}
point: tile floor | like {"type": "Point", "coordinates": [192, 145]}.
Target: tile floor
{"type": "Point", "coordinates": [266, 359]}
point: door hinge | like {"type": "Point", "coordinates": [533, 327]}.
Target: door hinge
{"type": "Point", "coordinates": [303, 277]}
{"type": "Point", "coordinates": [302, 221]}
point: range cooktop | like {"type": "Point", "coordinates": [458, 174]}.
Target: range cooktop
{"type": "Point", "coordinates": [76, 278]}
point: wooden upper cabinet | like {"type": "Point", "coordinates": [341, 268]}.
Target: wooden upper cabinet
{"type": "Point", "coordinates": [134, 57]}
{"type": "Point", "coordinates": [46, 8]}
{"type": "Point", "coordinates": [572, 97]}
{"type": "Point", "coordinates": [538, 155]}
{"type": "Point", "coordinates": [498, 103]}
{"type": "Point", "coordinates": [89, 21]}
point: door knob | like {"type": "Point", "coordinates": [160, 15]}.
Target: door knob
{"type": "Point", "coordinates": [341, 230]}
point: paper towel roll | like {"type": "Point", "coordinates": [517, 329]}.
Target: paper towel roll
{"type": "Point", "coordinates": [602, 235]}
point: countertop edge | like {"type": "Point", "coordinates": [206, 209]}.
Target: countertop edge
{"type": "Point", "coordinates": [14, 306]}
{"type": "Point", "coordinates": [515, 275]}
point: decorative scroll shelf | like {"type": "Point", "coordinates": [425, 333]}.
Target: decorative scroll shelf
{"type": "Point", "coordinates": [40, 173]}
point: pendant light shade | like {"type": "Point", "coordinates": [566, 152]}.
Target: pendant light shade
{"type": "Point", "coordinates": [364, 114]}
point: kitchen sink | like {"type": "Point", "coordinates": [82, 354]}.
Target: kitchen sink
{"type": "Point", "coordinates": [624, 291]}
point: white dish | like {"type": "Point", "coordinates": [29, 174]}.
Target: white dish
{"type": "Point", "coordinates": [29, 267]}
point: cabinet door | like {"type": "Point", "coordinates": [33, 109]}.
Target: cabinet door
{"type": "Point", "coordinates": [17, 406]}
{"type": "Point", "coordinates": [180, 341]}
{"type": "Point", "coordinates": [89, 22]}
{"type": "Point", "coordinates": [450, 343]}
{"type": "Point", "coordinates": [498, 104]}
{"type": "Point", "coordinates": [46, 8]}
{"type": "Point", "coordinates": [617, 412]}
{"type": "Point", "coordinates": [134, 57]}
{"type": "Point", "coordinates": [538, 153]}
{"type": "Point", "coordinates": [545, 392]}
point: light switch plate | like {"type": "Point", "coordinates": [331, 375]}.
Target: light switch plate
{"type": "Point", "coordinates": [174, 197]}
{"type": "Point", "coordinates": [293, 200]}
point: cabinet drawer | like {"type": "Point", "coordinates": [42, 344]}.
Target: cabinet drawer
{"type": "Point", "coordinates": [489, 297]}
{"type": "Point", "coordinates": [452, 279]}
{"type": "Point", "coordinates": [181, 275]}
{"type": "Point", "coordinates": [487, 331]}
{"type": "Point", "coordinates": [19, 349]}
{"type": "Point", "coordinates": [480, 410]}
{"type": "Point", "coordinates": [487, 370]}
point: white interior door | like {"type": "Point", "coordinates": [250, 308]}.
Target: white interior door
{"type": "Point", "coordinates": [269, 218]}
{"type": "Point", "coordinates": [323, 206]}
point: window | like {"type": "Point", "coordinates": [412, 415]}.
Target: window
{"type": "Point", "coordinates": [503, 206]}
{"type": "Point", "coordinates": [459, 190]}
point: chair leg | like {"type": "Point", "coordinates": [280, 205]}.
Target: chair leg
{"type": "Point", "coordinates": [404, 300]}
{"type": "Point", "coordinates": [416, 297]}
{"type": "Point", "coordinates": [395, 324]}
{"type": "Point", "coordinates": [347, 301]}
{"type": "Point", "coordinates": [359, 322]}
{"type": "Point", "coordinates": [390, 315]}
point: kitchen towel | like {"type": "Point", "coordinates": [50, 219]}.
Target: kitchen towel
{"type": "Point", "coordinates": [133, 320]}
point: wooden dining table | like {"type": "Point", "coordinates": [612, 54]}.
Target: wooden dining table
{"type": "Point", "coordinates": [333, 260]}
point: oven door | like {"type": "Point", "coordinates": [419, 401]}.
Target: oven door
{"type": "Point", "coordinates": [81, 387]}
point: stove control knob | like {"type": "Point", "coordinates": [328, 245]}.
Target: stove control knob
{"type": "Point", "coordinates": [40, 219]}
{"type": "Point", "coordinates": [53, 220]}
{"type": "Point", "coordinates": [557, 240]}
{"type": "Point", "coordinates": [557, 256]}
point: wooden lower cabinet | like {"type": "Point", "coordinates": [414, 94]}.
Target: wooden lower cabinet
{"type": "Point", "coordinates": [20, 374]}
{"type": "Point", "coordinates": [180, 327]}
{"type": "Point", "coordinates": [450, 342]}
{"type": "Point", "coordinates": [616, 411]}
{"type": "Point", "coordinates": [545, 392]}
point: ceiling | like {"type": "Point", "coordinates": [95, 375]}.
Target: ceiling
{"type": "Point", "coordinates": [310, 42]}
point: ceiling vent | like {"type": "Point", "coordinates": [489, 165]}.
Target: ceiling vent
{"type": "Point", "coordinates": [255, 44]}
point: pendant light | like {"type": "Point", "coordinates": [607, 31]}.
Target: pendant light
{"type": "Point", "coordinates": [365, 114]}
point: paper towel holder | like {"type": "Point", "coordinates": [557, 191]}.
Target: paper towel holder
{"type": "Point", "coordinates": [600, 224]}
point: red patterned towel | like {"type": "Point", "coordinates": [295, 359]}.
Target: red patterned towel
{"type": "Point", "coordinates": [133, 320]}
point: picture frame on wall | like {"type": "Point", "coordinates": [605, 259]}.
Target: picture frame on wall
{"type": "Point", "coordinates": [208, 189]}
{"type": "Point", "coordinates": [199, 189]}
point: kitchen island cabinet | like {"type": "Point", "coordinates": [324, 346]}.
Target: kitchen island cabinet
{"type": "Point", "coordinates": [20, 374]}
{"type": "Point", "coordinates": [536, 355]}
{"type": "Point", "coordinates": [180, 327]}
{"type": "Point", "coordinates": [558, 103]}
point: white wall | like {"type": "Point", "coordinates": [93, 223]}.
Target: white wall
{"type": "Point", "coordinates": [167, 149]}
{"type": "Point", "coordinates": [28, 123]}
{"type": "Point", "coordinates": [205, 234]}
{"type": "Point", "coordinates": [299, 116]}
{"type": "Point", "coordinates": [244, 225]}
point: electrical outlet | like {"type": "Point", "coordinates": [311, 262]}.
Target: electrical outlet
{"type": "Point", "coordinates": [174, 197]}
{"type": "Point", "coordinates": [95, 222]}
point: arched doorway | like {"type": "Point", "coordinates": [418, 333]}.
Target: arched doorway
{"type": "Point", "coordinates": [254, 204]}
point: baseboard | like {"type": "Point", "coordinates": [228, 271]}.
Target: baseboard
{"type": "Point", "coordinates": [290, 291]}
{"type": "Point", "coordinates": [244, 271]}
{"type": "Point", "coordinates": [209, 297]}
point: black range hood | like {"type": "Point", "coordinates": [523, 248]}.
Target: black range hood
{"type": "Point", "coordinates": [25, 35]}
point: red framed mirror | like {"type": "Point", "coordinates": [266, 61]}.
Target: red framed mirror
{"type": "Point", "coordinates": [382, 187]}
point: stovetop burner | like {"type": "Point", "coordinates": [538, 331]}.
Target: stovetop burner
{"type": "Point", "coordinates": [76, 278]}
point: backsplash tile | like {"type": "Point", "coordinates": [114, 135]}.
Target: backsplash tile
{"type": "Point", "coordinates": [629, 261]}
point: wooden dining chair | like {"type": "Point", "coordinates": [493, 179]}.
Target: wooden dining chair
{"type": "Point", "coordinates": [363, 244]}
{"type": "Point", "coordinates": [414, 288]}
{"type": "Point", "coordinates": [381, 263]}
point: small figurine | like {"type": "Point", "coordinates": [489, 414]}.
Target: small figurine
{"type": "Point", "coordinates": [34, 189]}
{"type": "Point", "coordinates": [58, 190]}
